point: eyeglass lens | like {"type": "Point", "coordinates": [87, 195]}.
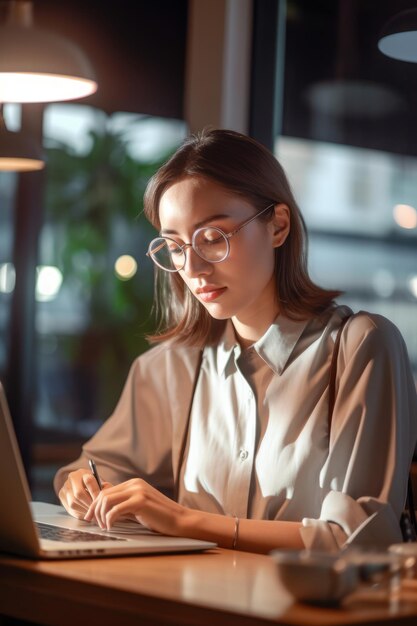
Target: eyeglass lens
{"type": "Point", "coordinates": [209, 243]}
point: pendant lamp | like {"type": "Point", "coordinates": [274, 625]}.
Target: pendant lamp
{"type": "Point", "coordinates": [398, 38]}
{"type": "Point", "coordinates": [37, 65]}
{"type": "Point", "coordinates": [19, 152]}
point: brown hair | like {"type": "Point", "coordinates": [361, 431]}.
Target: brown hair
{"type": "Point", "coordinates": [248, 169]}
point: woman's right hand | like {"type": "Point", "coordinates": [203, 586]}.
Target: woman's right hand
{"type": "Point", "coordinates": [79, 491]}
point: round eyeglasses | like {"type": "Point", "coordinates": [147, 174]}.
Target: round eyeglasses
{"type": "Point", "coordinates": [209, 242]}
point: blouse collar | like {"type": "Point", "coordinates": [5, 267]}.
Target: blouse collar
{"type": "Point", "coordinates": [274, 347]}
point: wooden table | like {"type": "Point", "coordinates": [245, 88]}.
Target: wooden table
{"type": "Point", "coordinates": [216, 588]}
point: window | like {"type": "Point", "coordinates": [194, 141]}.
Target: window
{"type": "Point", "coordinates": [7, 273]}
{"type": "Point", "coordinates": [95, 283]}
{"type": "Point", "coordinates": [347, 111]}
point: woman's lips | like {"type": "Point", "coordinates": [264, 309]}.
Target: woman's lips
{"type": "Point", "coordinates": [208, 295]}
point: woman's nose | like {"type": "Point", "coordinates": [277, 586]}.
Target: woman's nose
{"type": "Point", "coordinates": [194, 264]}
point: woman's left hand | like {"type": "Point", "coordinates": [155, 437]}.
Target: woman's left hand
{"type": "Point", "coordinates": [136, 497]}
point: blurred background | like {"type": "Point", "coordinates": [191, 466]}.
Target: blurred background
{"type": "Point", "coordinates": [305, 78]}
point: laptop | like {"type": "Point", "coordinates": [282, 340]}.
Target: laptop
{"type": "Point", "coordinates": [46, 531]}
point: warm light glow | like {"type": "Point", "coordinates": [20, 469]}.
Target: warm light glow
{"type": "Point", "coordinates": [412, 283]}
{"type": "Point", "coordinates": [48, 283]}
{"type": "Point", "coordinates": [405, 216]}
{"type": "Point", "coordinates": [20, 165]}
{"type": "Point", "coordinates": [125, 267]}
{"type": "Point", "coordinates": [7, 278]}
{"type": "Point", "coordinates": [30, 87]}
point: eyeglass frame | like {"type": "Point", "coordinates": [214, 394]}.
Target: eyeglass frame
{"type": "Point", "coordinates": [226, 236]}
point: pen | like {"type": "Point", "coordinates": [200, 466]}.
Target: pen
{"type": "Point", "coordinates": [95, 473]}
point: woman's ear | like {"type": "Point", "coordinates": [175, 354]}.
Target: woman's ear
{"type": "Point", "coordinates": [280, 224]}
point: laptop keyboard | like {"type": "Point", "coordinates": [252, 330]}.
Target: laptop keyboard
{"type": "Point", "coordinates": [55, 533]}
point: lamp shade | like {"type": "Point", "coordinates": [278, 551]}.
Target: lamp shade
{"type": "Point", "coordinates": [19, 152]}
{"type": "Point", "coordinates": [398, 38]}
{"type": "Point", "coordinates": [37, 65]}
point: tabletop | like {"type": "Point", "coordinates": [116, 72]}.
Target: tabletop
{"type": "Point", "coordinates": [215, 587]}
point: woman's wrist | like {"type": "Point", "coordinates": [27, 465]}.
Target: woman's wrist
{"type": "Point", "coordinates": [190, 523]}
{"type": "Point", "coordinates": [221, 529]}
{"type": "Point", "coordinates": [240, 534]}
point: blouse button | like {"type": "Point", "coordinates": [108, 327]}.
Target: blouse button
{"type": "Point", "coordinates": [243, 455]}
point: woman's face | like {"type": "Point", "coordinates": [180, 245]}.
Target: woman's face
{"type": "Point", "coordinates": [241, 287]}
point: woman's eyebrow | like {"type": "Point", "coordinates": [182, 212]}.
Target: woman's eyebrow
{"type": "Point", "coordinates": [219, 216]}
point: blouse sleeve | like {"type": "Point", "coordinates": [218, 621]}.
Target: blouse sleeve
{"type": "Point", "coordinates": [372, 440]}
{"type": "Point", "coordinates": [136, 440]}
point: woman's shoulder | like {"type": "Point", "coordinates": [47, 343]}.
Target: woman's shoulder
{"type": "Point", "coordinates": [365, 322]}
{"type": "Point", "coordinates": [169, 356]}
{"type": "Point", "coordinates": [370, 328]}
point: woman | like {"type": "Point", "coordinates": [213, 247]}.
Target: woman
{"type": "Point", "coordinates": [231, 409]}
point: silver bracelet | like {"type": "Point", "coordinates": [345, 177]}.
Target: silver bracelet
{"type": "Point", "coordinates": [236, 535]}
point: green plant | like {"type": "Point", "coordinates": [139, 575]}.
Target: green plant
{"type": "Point", "coordinates": [93, 215]}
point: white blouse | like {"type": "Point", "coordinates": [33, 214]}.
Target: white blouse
{"type": "Point", "coordinates": [257, 444]}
